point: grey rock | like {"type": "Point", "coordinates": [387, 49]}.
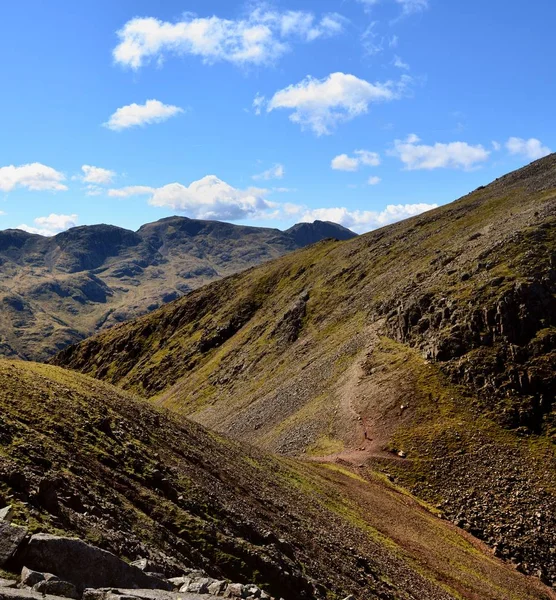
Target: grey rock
{"type": "Point", "coordinates": [142, 564]}
{"type": "Point", "coordinates": [29, 577]}
{"type": "Point", "coordinates": [199, 586]}
{"type": "Point", "coordinates": [11, 537]}
{"type": "Point", "coordinates": [252, 590]}
{"type": "Point", "coordinates": [234, 590]}
{"type": "Point", "coordinates": [178, 582]}
{"type": "Point", "coordinates": [56, 587]}
{"type": "Point", "coordinates": [7, 583]}
{"type": "Point", "coordinates": [26, 594]}
{"type": "Point", "coordinates": [84, 565]}
{"type": "Point", "coordinates": [126, 594]}
{"type": "Point", "coordinates": [6, 514]}
{"type": "Point", "coordinates": [217, 587]}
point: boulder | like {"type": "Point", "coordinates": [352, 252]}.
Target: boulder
{"type": "Point", "coordinates": [199, 586]}
{"type": "Point", "coordinates": [24, 594]}
{"type": "Point", "coordinates": [84, 565]}
{"type": "Point", "coordinates": [11, 537]}
{"type": "Point", "coordinates": [56, 587]}
{"type": "Point", "coordinates": [216, 588]}
{"type": "Point", "coordinates": [6, 514]}
{"type": "Point", "coordinates": [29, 578]}
{"type": "Point", "coordinates": [234, 590]}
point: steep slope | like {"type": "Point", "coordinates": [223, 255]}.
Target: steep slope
{"type": "Point", "coordinates": [434, 337]}
{"type": "Point", "coordinates": [56, 291]}
{"type": "Point", "coordinates": [79, 456]}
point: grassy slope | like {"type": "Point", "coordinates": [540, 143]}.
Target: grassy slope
{"type": "Point", "coordinates": [451, 313]}
{"type": "Point", "coordinates": [79, 456]}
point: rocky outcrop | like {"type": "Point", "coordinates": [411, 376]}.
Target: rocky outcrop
{"type": "Point", "coordinates": [84, 565]}
{"type": "Point", "coordinates": [11, 538]}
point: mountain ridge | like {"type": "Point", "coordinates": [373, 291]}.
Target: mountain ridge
{"type": "Point", "coordinates": [58, 290]}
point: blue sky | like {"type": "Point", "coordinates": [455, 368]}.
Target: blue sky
{"type": "Point", "coordinates": [265, 113]}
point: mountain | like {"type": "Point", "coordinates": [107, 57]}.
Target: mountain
{"type": "Point", "coordinates": [58, 290]}
{"type": "Point", "coordinates": [80, 457]}
{"type": "Point", "coordinates": [425, 350]}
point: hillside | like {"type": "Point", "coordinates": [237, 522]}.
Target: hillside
{"type": "Point", "coordinates": [56, 291]}
{"type": "Point", "coordinates": [80, 457]}
{"type": "Point", "coordinates": [426, 349]}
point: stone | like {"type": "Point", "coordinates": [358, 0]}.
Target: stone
{"type": "Point", "coordinates": [11, 537]}
{"type": "Point", "coordinates": [84, 565]}
{"type": "Point", "coordinates": [199, 586]}
{"type": "Point", "coordinates": [6, 514]}
{"type": "Point", "coordinates": [126, 594]}
{"type": "Point", "coordinates": [142, 564]}
{"type": "Point", "coordinates": [252, 590]}
{"type": "Point", "coordinates": [217, 587]}
{"type": "Point", "coordinates": [25, 594]}
{"type": "Point", "coordinates": [7, 583]}
{"type": "Point", "coordinates": [177, 582]}
{"type": "Point", "coordinates": [29, 577]}
{"type": "Point", "coordinates": [56, 587]}
{"type": "Point", "coordinates": [234, 590]}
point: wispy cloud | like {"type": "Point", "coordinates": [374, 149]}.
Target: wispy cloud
{"type": "Point", "coordinates": [275, 172]}
{"type": "Point", "coordinates": [259, 38]}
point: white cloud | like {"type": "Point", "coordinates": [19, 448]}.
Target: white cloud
{"type": "Point", "coordinates": [373, 43]}
{"type": "Point", "coordinates": [134, 115]}
{"type": "Point", "coordinates": [456, 155]}
{"type": "Point", "coordinates": [343, 162]}
{"type": "Point", "coordinates": [496, 145]}
{"type": "Point", "coordinates": [400, 64]}
{"type": "Point", "coordinates": [365, 220]}
{"type": "Point", "coordinates": [413, 6]}
{"type": "Point", "coordinates": [34, 176]}
{"type": "Point", "coordinates": [97, 175]}
{"type": "Point", "coordinates": [321, 104]}
{"type": "Point", "coordinates": [94, 190]}
{"type": "Point", "coordinates": [275, 172]}
{"type": "Point", "coordinates": [259, 38]}
{"type": "Point", "coordinates": [531, 149]}
{"type": "Point", "coordinates": [212, 198]}
{"type": "Point", "coordinates": [374, 180]}
{"type": "Point", "coordinates": [131, 190]}
{"type": "Point", "coordinates": [258, 104]}
{"type": "Point", "coordinates": [51, 225]}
